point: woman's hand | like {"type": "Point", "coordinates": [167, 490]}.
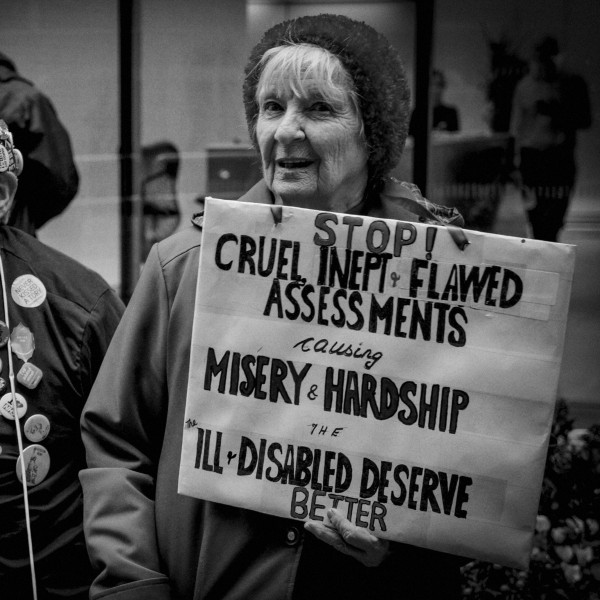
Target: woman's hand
{"type": "Point", "coordinates": [349, 539]}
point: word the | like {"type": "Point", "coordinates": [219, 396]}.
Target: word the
{"type": "Point", "coordinates": [323, 429]}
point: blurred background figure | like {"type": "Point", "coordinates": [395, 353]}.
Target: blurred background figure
{"type": "Point", "coordinates": [445, 117]}
{"type": "Point", "coordinates": [549, 106]}
{"type": "Point", "coordinates": [160, 166]}
{"type": "Point", "coordinates": [51, 179]}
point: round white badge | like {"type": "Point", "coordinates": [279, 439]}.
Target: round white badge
{"type": "Point", "coordinates": [7, 409]}
{"type": "Point", "coordinates": [28, 291]}
{"type": "Point", "coordinates": [36, 428]}
{"type": "Point", "coordinates": [37, 464]}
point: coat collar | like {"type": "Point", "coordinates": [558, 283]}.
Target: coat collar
{"type": "Point", "coordinates": [399, 200]}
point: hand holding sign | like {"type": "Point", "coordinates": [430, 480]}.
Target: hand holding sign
{"type": "Point", "coordinates": [349, 539]}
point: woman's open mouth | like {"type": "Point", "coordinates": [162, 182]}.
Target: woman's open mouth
{"type": "Point", "coordinates": [293, 163]}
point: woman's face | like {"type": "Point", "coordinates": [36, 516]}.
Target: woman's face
{"type": "Point", "coordinates": [312, 151]}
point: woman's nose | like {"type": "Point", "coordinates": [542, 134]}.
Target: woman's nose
{"type": "Point", "coordinates": [290, 128]}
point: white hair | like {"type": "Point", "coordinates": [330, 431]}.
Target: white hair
{"type": "Point", "coordinates": [299, 68]}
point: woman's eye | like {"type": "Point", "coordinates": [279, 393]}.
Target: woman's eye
{"type": "Point", "coordinates": [271, 106]}
{"type": "Point", "coordinates": [321, 107]}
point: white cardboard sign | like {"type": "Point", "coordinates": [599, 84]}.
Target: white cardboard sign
{"type": "Point", "coordinates": [373, 366]}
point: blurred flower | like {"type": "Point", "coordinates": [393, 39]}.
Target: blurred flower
{"type": "Point", "coordinates": [593, 526]}
{"type": "Point", "coordinates": [576, 525]}
{"type": "Point", "coordinates": [565, 553]}
{"type": "Point", "coordinates": [572, 573]}
{"type": "Point", "coordinates": [559, 534]}
{"type": "Point", "coordinates": [576, 438]}
{"type": "Point", "coordinates": [565, 557]}
{"type": "Point", "coordinates": [585, 554]}
{"type": "Point", "coordinates": [542, 523]}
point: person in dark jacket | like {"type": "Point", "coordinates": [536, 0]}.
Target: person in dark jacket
{"type": "Point", "coordinates": [549, 107]}
{"type": "Point", "coordinates": [51, 179]}
{"type": "Point", "coordinates": [326, 102]}
{"type": "Point", "coordinates": [56, 321]}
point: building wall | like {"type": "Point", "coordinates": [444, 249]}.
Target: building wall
{"type": "Point", "coordinates": [191, 79]}
{"type": "Point", "coordinates": [69, 49]}
{"type": "Point", "coordinates": [193, 54]}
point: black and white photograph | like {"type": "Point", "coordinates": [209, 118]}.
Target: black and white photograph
{"type": "Point", "coordinates": [300, 300]}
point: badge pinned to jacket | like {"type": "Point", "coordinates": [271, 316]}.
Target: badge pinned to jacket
{"type": "Point", "coordinates": [28, 291]}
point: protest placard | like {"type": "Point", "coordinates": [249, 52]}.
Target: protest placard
{"type": "Point", "coordinates": [373, 366]}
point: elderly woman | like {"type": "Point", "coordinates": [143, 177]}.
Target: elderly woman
{"type": "Point", "coordinates": [326, 101]}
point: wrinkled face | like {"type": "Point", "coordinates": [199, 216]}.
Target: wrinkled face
{"type": "Point", "coordinates": [309, 134]}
